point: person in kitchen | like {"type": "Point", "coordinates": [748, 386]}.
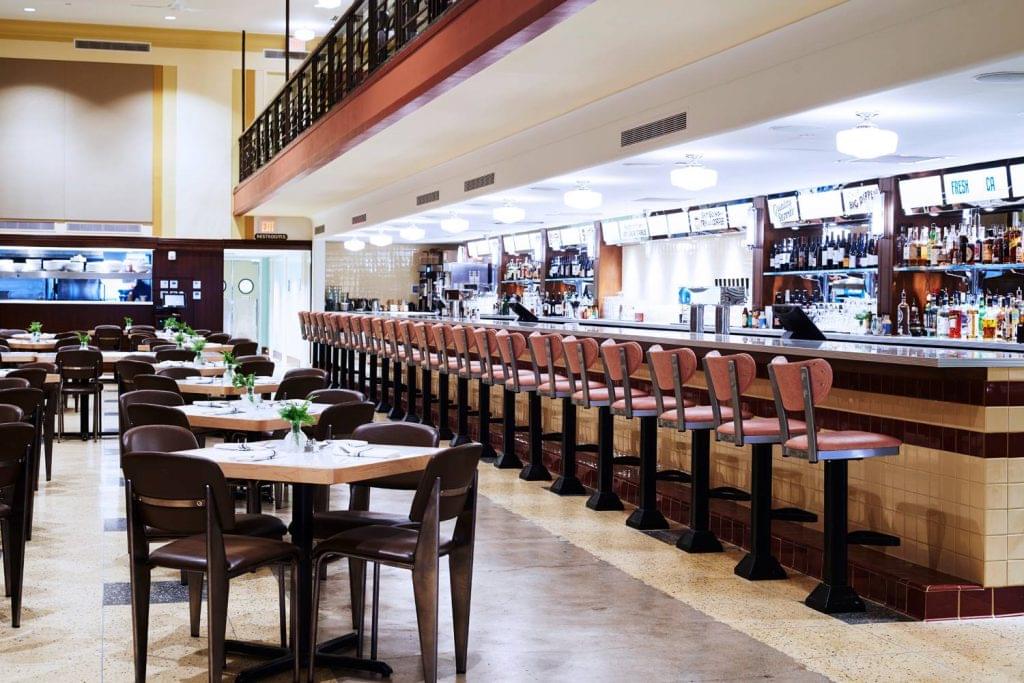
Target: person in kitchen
{"type": "Point", "coordinates": [142, 291]}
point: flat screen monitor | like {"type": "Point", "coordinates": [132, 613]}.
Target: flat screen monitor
{"type": "Point", "coordinates": [610, 232]}
{"type": "Point", "coordinates": [918, 193]}
{"type": "Point", "coordinates": [797, 324]}
{"type": "Point", "coordinates": [523, 314]}
{"type": "Point", "coordinates": [174, 300]}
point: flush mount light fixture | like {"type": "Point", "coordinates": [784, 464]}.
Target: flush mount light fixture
{"type": "Point", "coordinates": [381, 239]}
{"type": "Point", "coordinates": [508, 213]}
{"type": "Point", "coordinates": [866, 140]}
{"type": "Point", "coordinates": [412, 233]}
{"type": "Point", "coordinates": [304, 34]}
{"type": "Point", "coordinates": [328, 4]}
{"type": "Point", "coordinates": [354, 244]}
{"type": "Point", "coordinates": [582, 197]}
{"type": "Point", "coordinates": [170, 17]}
{"type": "Point", "coordinates": [693, 175]}
{"type": "Point", "coordinates": [30, 9]}
{"type": "Point", "coordinates": [454, 224]}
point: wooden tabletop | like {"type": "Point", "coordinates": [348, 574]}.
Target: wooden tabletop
{"type": "Point", "coordinates": [28, 336]}
{"type": "Point", "coordinates": [29, 345]}
{"type": "Point", "coordinates": [264, 385]}
{"type": "Point", "coordinates": [265, 419]}
{"type": "Point", "coordinates": [211, 369]}
{"type": "Point", "coordinates": [208, 349]}
{"type": "Point", "coordinates": [51, 378]}
{"type": "Point", "coordinates": [18, 357]}
{"type": "Point", "coordinates": [328, 466]}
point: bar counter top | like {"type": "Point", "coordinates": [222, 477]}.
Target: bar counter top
{"type": "Point", "coordinates": [862, 351]}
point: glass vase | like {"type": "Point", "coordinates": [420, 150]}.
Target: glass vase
{"type": "Point", "coordinates": [296, 440]}
{"type": "Point", "coordinates": [199, 359]}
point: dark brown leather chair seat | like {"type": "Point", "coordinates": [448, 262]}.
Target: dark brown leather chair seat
{"type": "Point", "coordinates": [256, 525]}
{"type": "Point", "coordinates": [380, 544]}
{"type": "Point", "coordinates": [327, 524]}
{"type": "Point", "coordinates": [5, 511]}
{"type": "Point", "coordinates": [241, 552]}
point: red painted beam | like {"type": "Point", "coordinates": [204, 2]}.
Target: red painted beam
{"type": "Point", "coordinates": [473, 35]}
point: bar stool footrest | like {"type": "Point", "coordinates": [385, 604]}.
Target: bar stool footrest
{"type": "Point", "coordinates": [792, 514]}
{"type": "Point", "coordinates": [551, 436]}
{"type": "Point", "coordinates": [728, 493]}
{"type": "Point", "coordinates": [674, 475]}
{"type": "Point", "coordinates": [586, 448]}
{"type": "Point", "coordinates": [626, 461]}
{"type": "Point", "coordinates": [865, 537]}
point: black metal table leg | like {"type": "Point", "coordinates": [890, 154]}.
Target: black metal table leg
{"type": "Point", "coordinates": [568, 484]}
{"type": "Point", "coordinates": [427, 418]}
{"type": "Point", "coordinates": [834, 594]}
{"type": "Point", "coordinates": [759, 564]}
{"type": "Point", "coordinates": [605, 498]}
{"type": "Point", "coordinates": [462, 414]}
{"type": "Point", "coordinates": [699, 537]}
{"type": "Point", "coordinates": [535, 470]}
{"type": "Point", "coordinates": [484, 408]}
{"type": "Point", "coordinates": [508, 459]}
{"type": "Point", "coordinates": [647, 515]}
{"type": "Point", "coordinates": [443, 403]}
{"type": "Point", "coordinates": [383, 405]}
{"type": "Point", "coordinates": [410, 383]}
{"type": "Point", "coordinates": [397, 412]}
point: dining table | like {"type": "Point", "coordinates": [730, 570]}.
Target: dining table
{"type": "Point", "coordinates": [208, 348]}
{"type": "Point", "coordinates": [237, 416]}
{"type": "Point", "coordinates": [216, 386]}
{"type": "Point", "coordinates": [330, 462]}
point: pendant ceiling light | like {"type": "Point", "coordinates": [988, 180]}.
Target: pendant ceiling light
{"type": "Point", "coordinates": [304, 34]}
{"type": "Point", "coordinates": [693, 175]}
{"type": "Point", "coordinates": [866, 141]}
{"type": "Point", "coordinates": [507, 213]}
{"type": "Point", "coordinates": [412, 233]}
{"type": "Point", "coordinates": [354, 244]}
{"type": "Point", "coordinates": [381, 239]}
{"type": "Point", "coordinates": [582, 197]}
{"type": "Point", "coordinates": [454, 224]}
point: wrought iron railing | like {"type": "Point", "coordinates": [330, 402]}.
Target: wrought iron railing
{"type": "Point", "coordinates": [369, 34]}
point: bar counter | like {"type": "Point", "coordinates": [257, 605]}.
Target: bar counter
{"type": "Point", "coordinates": [954, 496]}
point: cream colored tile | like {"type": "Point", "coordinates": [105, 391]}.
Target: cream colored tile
{"type": "Point", "coordinates": [1015, 470]}
{"type": "Point", "coordinates": [995, 548]}
{"type": "Point", "coordinates": [995, 574]}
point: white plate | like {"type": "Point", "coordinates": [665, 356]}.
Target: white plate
{"type": "Point", "coordinates": [258, 456]}
{"type": "Point", "coordinates": [211, 404]}
{"type": "Point", "coordinates": [198, 380]}
{"type": "Point", "coordinates": [352, 443]}
{"type": "Point", "coordinates": [237, 447]}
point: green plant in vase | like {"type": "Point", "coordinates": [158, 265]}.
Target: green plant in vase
{"type": "Point", "coordinates": [198, 345]}
{"type": "Point", "coordinates": [248, 382]}
{"type": "Point", "coordinates": [179, 339]}
{"type": "Point", "coordinates": [128, 322]}
{"type": "Point", "coordinates": [83, 340]}
{"type": "Point", "coordinates": [297, 415]}
{"type": "Point", "coordinates": [171, 324]}
{"type": "Point", "coordinates": [36, 328]}
{"type": "Point", "coordinates": [230, 363]}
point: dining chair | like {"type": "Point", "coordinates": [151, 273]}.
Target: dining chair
{"type": "Point", "coordinates": [335, 396]}
{"type": "Point", "coordinates": [298, 387]}
{"type": "Point", "coordinates": [31, 402]}
{"type": "Point", "coordinates": [14, 383]}
{"type": "Point", "coordinates": [260, 368]}
{"type": "Point", "coordinates": [80, 371]}
{"type": "Point", "coordinates": [178, 372]}
{"type": "Point", "coordinates": [175, 354]}
{"type": "Point", "coordinates": [10, 413]}
{"type": "Point", "coordinates": [108, 337]}
{"type": "Point", "coordinates": [243, 347]}
{"type": "Point", "coordinates": [36, 377]}
{"type": "Point", "coordinates": [126, 371]}
{"type": "Point", "coordinates": [156, 383]}
{"type": "Point", "coordinates": [306, 372]}
{"type": "Point", "coordinates": [16, 439]}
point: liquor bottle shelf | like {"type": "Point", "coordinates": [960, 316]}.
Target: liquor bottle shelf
{"type": "Point", "coordinates": [520, 281]}
{"type": "Point", "coordinates": [568, 279]}
{"type": "Point", "coordinates": [960, 268]}
{"type": "Point", "coordinates": [821, 271]}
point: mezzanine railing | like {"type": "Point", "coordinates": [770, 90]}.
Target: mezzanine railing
{"type": "Point", "coordinates": [367, 36]}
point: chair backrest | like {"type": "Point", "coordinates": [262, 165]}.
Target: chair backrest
{"type": "Point", "coordinates": [305, 372]}
{"type": "Point", "coordinates": [142, 328]}
{"type": "Point", "coordinates": [511, 345]}
{"type": "Point", "coordinates": [173, 493]}
{"type": "Point", "coordinates": [178, 373]}
{"type": "Point", "coordinates": [159, 438]}
{"type": "Point", "coordinates": [139, 414]}
{"type": "Point", "coordinates": [10, 413]}
{"type": "Point", "coordinates": [66, 343]}
{"type": "Point", "coordinates": [486, 350]}
{"type": "Point", "coordinates": [670, 370]}
{"type": "Point", "coordinates": [246, 359]}
{"type": "Point", "coordinates": [465, 346]}
{"type": "Point", "coordinates": [298, 387]}
{"type": "Point", "coordinates": [580, 356]}
{"type": "Point", "coordinates": [16, 441]}
{"type": "Point", "coordinates": [9, 332]}
{"type": "Point", "coordinates": [456, 470]}
{"type": "Point", "coordinates": [127, 370]}
{"type": "Point", "coordinates": [66, 335]}
{"type": "Point", "coordinates": [29, 400]}
{"type": "Point", "coordinates": [799, 387]}
{"type": "Point", "coordinates": [136, 338]}
{"type": "Point", "coordinates": [727, 378]}
{"type": "Point", "coordinates": [79, 366]}
{"type": "Point", "coordinates": [203, 332]}
{"type": "Point", "coordinates": [260, 368]}
{"type": "Point", "coordinates": [157, 383]}
{"type": "Point", "coordinates": [36, 377]}
{"type": "Point", "coordinates": [621, 360]}
{"type": "Point", "coordinates": [107, 337]}
{"type": "Point", "coordinates": [398, 434]}
{"type": "Point", "coordinates": [50, 368]}
{"type": "Point", "coordinates": [544, 350]}
{"type": "Point", "coordinates": [341, 419]}
{"type": "Point", "coordinates": [243, 347]}
{"type": "Point", "coordinates": [154, 348]}
{"type": "Point", "coordinates": [218, 337]}
{"type": "Point", "coordinates": [152, 397]}
{"type": "Point", "coordinates": [14, 383]}
{"type": "Point", "coordinates": [335, 396]}
{"type": "Point", "coordinates": [175, 354]}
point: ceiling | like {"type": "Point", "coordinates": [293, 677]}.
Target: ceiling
{"type": "Point", "coordinates": [260, 16]}
{"type": "Point", "coordinates": [947, 121]}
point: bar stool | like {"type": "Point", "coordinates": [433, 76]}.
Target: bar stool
{"type": "Point", "coordinates": [303, 326]}
{"type": "Point", "coordinates": [337, 327]}
{"type": "Point", "coordinates": [512, 345]}
{"type": "Point", "coordinates": [580, 356]}
{"type": "Point", "coordinates": [314, 337]}
{"type": "Point", "coordinates": [366, 349]}
{"type": "Point", "coordinates": [491, 374]}
{"type": "Point", "coordinates": [430, 362]}
{"type": "Point", "coordinates": [352, 348]}
{"type": "Point", "coordinates": [409, 354]}
{"type": "Point", "coordinates": [325, 336]}
{"type": "Point", "coordinates": [466, 346]}
{"type": "Point", "coordinates": [502, 374]}
{"type": "Point", "coordinates": [465, 369]}
{"type": "Point", "coordinates": [392, 346]}
{"type": "Point", "coordinates": [800, 387]}
{"type": "Point", "coordinates": [444, 340]}
{"type": "Point", "coordinates": [381, 345]}
{"type": "Point", "coordinates": [728, 377]}
{"type": "Point", "coordinates": [621, 360]}
{"type": "Point", "coordinates": [370, 358]}
{"type": "Point", "coordinates": [544, 349]}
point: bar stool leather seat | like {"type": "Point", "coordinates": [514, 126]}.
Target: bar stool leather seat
{"type": "Point", "coordinates": [528, 379]}
{"type": "Point", "coordinates": [844, 441]}
{"type": "Point", "coordinates": [646, 405]}
{"type": "Point", "coordinates": [760, 428]}
{"type": "Point", "coordinates": [242, 553]}
{"type": "Point", "coordinates": [696, 416]}
{"type": "Point", "coordinates": [563, 387]}
{"type": "Point", "coordinates": [599, 395]}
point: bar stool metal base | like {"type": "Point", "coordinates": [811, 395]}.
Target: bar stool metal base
{"type": "Point", "coordinates": [603, 501]}
{"type": "Point", "coordinates": [396, 412]}
{"type": "Point", "coordinates": [759, 564]}
{"type": "Point", "coordinates": [647, 516]}
{"type": "Point", "coordinates": [761, 567]}
{"type": "Point", "coordinates": [462, 415]}
{"type": "Point", "coordinates": [834, 599]}
{"type": "Point", "coordinates": [535, 470]}
{"type": "Point", "coordinates": [383, 406]}
{"type": "Point", "coordinates": [427, 418]}
{"type": "Point", "coordinates": [443, 407]}
{"type": "Point", "coordinates": [568, 484]}
{"type": "Point", "coordinates": [702, 541]}
{"type": "Point", "coordinates": [507, 459]}
{"type": "Point", "coordinates": [410, 384]}
{"type": "Point", "coordinates": [605, 498]}
{"type": "Point", "coordinates": [699, 538]}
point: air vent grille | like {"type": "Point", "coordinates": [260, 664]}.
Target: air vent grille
{"type": "Point", "coordinates": [27, 226]}
{"type": "Point", "coordinates": [654, 129]}
{"type": "Point", "coordinates": [121, 228]}
{"type": "Point", "coordinates": [279, 54]}
{"type": "Point", "coordinates": [319, 230]}
{"type": "Point", "coordinates": [117, 46]}
{"type": "Point", "coordinates": [478, 182]}
{"type": "Point", "coordinates": [428, 198]}
{"type": "Point", "coordinates": [361, 218]}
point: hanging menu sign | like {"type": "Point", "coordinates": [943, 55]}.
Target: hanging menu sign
{"type": "Point", "coordinates": [571, 236]}
{"type": "Point", "coordinates": [555, 239]}
{"type": "Point", "coordinates": [633, 229]}
{"type": "Point", "coordinates": [709, 219]}
{"type": "Point", "coordinates": [678, 223]}
{"type": "Point", "coordinates": [739, 214]}
{"type": "Point", "coordinates": [859, 200]}
{"type": "Point", "coordinates": [610, 232]}
{"type": "Point", "coordinates": [1017, 179]}
{"type": "Point", "coordinates": [522, 242]}
{"type": "Point", "coordinates": [783, 210]}
{"type": "Point", "coordinates": [509, 242]}
{"type": "Point", "coordinates": [657, 226]}
{"type": "Point", "coordinates": [537, 245]}
{"type": "Point", "coordinates": [820, 204]}
{"type": "Point", "coordinates": [976, 186]}
{"type": "Point", "coordinates": [916, 193]}
{"type": "Point", "coordinates": [587, 236]}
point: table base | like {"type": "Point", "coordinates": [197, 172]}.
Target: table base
{"type": "Point", "coordinates": [279, 659]}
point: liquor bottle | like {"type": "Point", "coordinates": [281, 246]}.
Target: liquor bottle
{"type": "Point", "coordinates": [903, 315]}
{"type": "Point", "coordinates": [942, 320]}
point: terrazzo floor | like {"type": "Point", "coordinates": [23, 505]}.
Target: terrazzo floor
{"type": "Point", "coordinates": [561, 593]}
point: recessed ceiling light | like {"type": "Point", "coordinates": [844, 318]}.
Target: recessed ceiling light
{"type": "Point", "coordinates": [170, 17]}
{"type": "Point", "coordinates": [30, 9]}
{"type": "Point", "coordinates": [1001, 77]}
{"type": "Point", "coordinates": [328, 4]}
{"type": "Point", "coordinates": [304, 34]}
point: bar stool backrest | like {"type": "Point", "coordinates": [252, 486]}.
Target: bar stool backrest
{"type": "Point", "coordinates": [798, 387]}
{"type": "Point", "coordinates": [511, 345]}
{"type": "Point", "coordinates": [621, 360]}
{"type": "Point", "coordinates": [390, 339]}
{"type": "Point", "coordinates": [366, 331]}
{"type": "Point", "coordinates": [408, 335]}
{"type": "Point", "coordinates": [486, 349]}
{"type": "Point", "coordinates": [580, 356]}
{"type": "Point", "coordinates": [304, 324]}
{"type": "Point", "coordinates": [465, 346]}
{"type": "Point", "coordinates": [670, 370]}
{"type": "Point", "coordinates": [332, 332]}
{"type": "Point", "coordinates": [377, 334]}
{"type": "Point", "coordinates": [727, 378]}
{"type": "Point", "coordinates": [424, 336]}
{"type": "Point", "coordinates": [544, 349]}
